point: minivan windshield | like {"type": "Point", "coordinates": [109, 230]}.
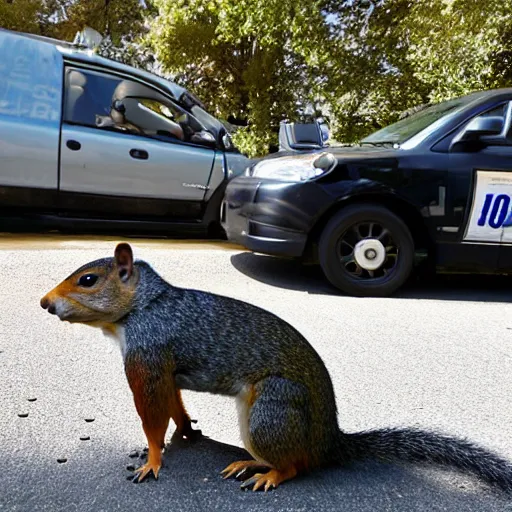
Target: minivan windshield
{"type": "Point", "coordinates": [399, 132]}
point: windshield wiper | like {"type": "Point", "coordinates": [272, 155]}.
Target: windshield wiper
{"type": "Point", "coordinates": [381, 144]}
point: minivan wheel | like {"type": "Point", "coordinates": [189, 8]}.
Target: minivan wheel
{"type": "Point", "coordinates": [366, 250]}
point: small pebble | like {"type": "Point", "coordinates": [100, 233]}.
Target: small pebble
{"type": "Point", "coordinates": [205, 479]}
{"type": "Point", "coordinates": [130, 467]}
{"type": "Point", "coordinates": [62, 460]}
{"type": "Point", "coordinates": [133, 454]}
{"type": "Point", "coordinates": [85, 438]}
{"type": "Point", "coordinates": [32, 399]}
{"type": "Point", "coordinates": [89, 420]}
{"type": "Point", "coordinates": [23, 414]}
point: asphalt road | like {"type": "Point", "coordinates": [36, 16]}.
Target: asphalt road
{"type": "Point", "coordinates": [438, 356]}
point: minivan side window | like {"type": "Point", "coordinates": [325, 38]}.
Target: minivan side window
{"type": "Point", "coordinates": [87, 95]}
{"type": "Point", "coordinates": [112, 103]}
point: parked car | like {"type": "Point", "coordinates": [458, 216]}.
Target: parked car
{"type": "Point", "coordinates": [436, 184]}
{"type": "Point", "coordinates": [89, 143]}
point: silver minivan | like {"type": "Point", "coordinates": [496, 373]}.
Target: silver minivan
{"type": "Point", "coordinates": [90, 143]}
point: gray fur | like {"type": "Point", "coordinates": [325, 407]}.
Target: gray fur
{"type": "Point", "coordinates": [218, 345]}
{"type": "Point", "coordinates": [270, 412]}
{"type": "Point", "coordinates": [415, 445]}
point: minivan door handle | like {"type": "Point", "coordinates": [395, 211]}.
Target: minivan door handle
{"type": "Point", "coordinates": [140, 154]}
{"type": "Point", "coordinates": [74, 145]}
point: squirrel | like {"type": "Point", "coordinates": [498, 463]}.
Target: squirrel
{"type": "Point", "coordinates": [175, 339]}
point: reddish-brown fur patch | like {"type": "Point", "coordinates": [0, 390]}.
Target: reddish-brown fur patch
{"type": "Point", "coordinates": [156, 401]}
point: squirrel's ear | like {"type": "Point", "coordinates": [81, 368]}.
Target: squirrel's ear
{"type": "Point", "coordinates": [124, 260]}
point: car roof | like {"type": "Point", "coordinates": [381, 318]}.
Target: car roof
{"type": "Point", "coordinates": [87, 56]}
{"type": "Point", "coordinates": [487, 93]}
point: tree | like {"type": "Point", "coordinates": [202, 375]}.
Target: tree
{"type": "Point", "coordinates": [456, 49]}
{"type": "Point", "coordinates": [22, 15]}
{"type": "Point", "coordinates": [256, 62]}
{"type": "Point", "coordinates": [394, 54]}
{"type": "Point", "coordinates": [247, 60]}
{"type": "Point", "coordinates": [121, 22]}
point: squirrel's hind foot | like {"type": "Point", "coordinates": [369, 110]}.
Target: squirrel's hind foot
{"type": "Point", "coordinates": [244, 468]}
{"type": "Point", "coordinates": [269, 480]}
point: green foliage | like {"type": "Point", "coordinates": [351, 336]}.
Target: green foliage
{"type": "Point", "coordinates": [456, 45]}
{"type": "Point", "coordinates": [120, 21]}
{"type": "Point", "coordinates": [22, 15]}
{"type": "Point", "coordinates": [247, 60]}
{"type": "Point", "coordinates": [400, 53]}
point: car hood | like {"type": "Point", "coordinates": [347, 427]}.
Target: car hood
{"type": "Point", "coordinates": [340, 152]}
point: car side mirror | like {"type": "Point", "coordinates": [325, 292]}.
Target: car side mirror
{"type": "Point", "coordinates": [478, 132]}
{"type": "Point", "coordinates": [204, 138]}
{"type": "Point", "coordinates": [482, 126]}
{"type": "Point", "coordinates": [227, 142]}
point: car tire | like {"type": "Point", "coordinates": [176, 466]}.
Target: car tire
{"type": "Point", "coordinates": [347, 229]}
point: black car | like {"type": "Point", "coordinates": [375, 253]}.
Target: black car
{"type": "Point", "coordinates": [437, 183]}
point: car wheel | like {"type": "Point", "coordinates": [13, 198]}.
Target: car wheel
{"type": "Point", "coordinates": [366, 250]}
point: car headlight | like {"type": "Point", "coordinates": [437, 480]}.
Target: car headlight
{"type": "Point", "coordinates": [294, 168]}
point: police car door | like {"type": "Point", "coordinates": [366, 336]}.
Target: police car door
{"type": "Point", "coordinates": [124, 155]}
{"type": "Point", "coordinates": [490, 216]}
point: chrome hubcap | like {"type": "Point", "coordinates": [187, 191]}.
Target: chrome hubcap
{"type": "Point", "coordinates": [370, 253]}
{"type": "Point", "coordinates": [367, 251]}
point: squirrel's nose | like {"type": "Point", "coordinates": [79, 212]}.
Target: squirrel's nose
{"type": "Point", "coordinates": [46, 304]}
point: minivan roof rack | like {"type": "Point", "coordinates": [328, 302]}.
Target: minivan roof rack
{"type": "Point", "coordinates": [87, 38]}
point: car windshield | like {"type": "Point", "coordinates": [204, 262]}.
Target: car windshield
{"type": "Point", "coordinates": [399, 132]}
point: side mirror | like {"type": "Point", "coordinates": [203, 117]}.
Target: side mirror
{"type": "Point", "coordinates": [478, 132]}
{"type": "Point", "coordinates": [227, 142]}
{"type": "Point", "coordinates": [204, 138]}
{"type": "Point", "coordinates": [482, 126]}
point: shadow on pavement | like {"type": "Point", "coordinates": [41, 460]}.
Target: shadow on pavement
{"type": "Point", "coordinates": [291, 275]}
{"type": "Point", "coordinates": [190, 481]}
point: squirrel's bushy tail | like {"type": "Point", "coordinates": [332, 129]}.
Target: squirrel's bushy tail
{"type": "Point", "coordinates": [413, 445]}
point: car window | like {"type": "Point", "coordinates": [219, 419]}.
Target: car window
{"type": "Point", "coordinates": [495, 112]}
{"type": "Point", "coordinates": [108, 102]}
{"type": "Point", "coordinates": [412, 125]}
{"type": "Point", "coordinates": [87, 95]}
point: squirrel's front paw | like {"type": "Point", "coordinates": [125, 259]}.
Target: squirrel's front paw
{"type": "Point", "coordinates": [142, 472]}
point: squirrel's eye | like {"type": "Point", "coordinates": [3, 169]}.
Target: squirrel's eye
{"type": "Point", "coordinates": [87, 280]}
